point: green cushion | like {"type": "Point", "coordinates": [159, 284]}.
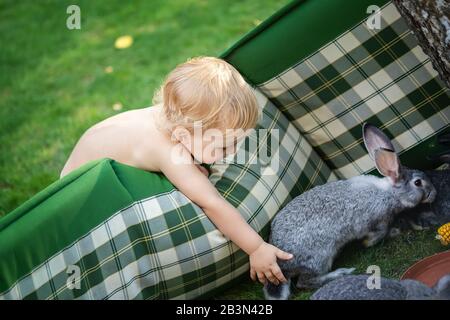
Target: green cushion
{"type": "Point", "coordinates": [293, 33]}
{"type": "Point", "coordinates": [379, 76]}
{"type": "Point", "coordinates": [134, 236]}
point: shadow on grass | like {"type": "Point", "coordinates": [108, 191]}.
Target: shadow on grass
{"type": "Point", "coordinates": [393, 256]}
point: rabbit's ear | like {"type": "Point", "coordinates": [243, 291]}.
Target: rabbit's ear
{"type": "Point", "coordinates": [387, 163]}
{"type": "Point", "coordinates": [445, 157]}
{"type": "Point", "coordinates": [375, 139]}
{"type": "Point", "coordinates": [440, 157]}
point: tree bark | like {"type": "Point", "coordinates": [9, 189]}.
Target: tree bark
{"type": "Point", "coordinates": [430, 22]}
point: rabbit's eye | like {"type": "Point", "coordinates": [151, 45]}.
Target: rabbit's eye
{"type": "Point", "coordinates": [418, 183]}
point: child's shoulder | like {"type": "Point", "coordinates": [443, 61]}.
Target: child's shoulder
{"type": "Point", "coordinates": [155, 145]}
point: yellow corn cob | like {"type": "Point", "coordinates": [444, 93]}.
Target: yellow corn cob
{"type": "Point", "coordinates": [444, 234]}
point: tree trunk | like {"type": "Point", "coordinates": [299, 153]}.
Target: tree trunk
{"type": "Point", "coordinates": [430, 22]}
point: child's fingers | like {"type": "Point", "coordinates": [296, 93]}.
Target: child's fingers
{"type": "Point", "coordinates": [283, 255]}
{"type": "Point", "coordinates": [278, 274]}
{"type": "Point", "coordinates": [253, 274]}
{"type": "Point", "coordinates": [269, 276]}
{"type": "Point", "coordinates": [261, 277]}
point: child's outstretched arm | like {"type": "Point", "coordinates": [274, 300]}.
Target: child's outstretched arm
{"type": "Point", "coordinates": [184, 174]}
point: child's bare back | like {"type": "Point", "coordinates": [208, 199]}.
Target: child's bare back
{"type": "Point", "coordinates": [130, 137]}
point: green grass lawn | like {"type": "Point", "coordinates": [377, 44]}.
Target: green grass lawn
{"type": "Point", "coordinates": [393, 256]}
{"type": "Point", "coordinates": [53, 86]}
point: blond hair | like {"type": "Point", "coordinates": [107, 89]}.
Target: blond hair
{"type": "Point", "coordinates": [209, 90]}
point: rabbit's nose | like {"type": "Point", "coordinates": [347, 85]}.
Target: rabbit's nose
{"type": "Point", "coordinates": [430, 196]}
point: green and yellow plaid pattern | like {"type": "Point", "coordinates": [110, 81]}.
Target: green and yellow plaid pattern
{"type": "Point", "coordinates": [164, 246]}
{"type": "Point", "coordinates": [380, 76]}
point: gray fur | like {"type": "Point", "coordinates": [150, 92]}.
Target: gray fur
{"type": "Point", "coordinates": [317, 224]}
{"type": "Point", "coordinates": [354, 287]}
{"type": "Point", "coordinates": [426, 215]}
{"type": "Point", "coordinates": [277, 292]}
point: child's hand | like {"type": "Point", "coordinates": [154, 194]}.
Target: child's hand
{"type": "Point", "coordinates": [263, 264]}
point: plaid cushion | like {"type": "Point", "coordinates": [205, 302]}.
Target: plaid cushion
{"type": "Point", "coordinates": [381, 76]}
{"type": "Point", "coordinates": [164, 246]}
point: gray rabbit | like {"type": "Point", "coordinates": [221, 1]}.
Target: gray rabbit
{"type": "Point", "coordinates": [436, 213]}
{"type": "Point", "coordinates": [356, 288]}
{"type": "Point", "coordinates": [317, 224]}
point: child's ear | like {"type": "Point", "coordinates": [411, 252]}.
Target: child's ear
{"type": "Point", "coordinates": [181, 134]}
